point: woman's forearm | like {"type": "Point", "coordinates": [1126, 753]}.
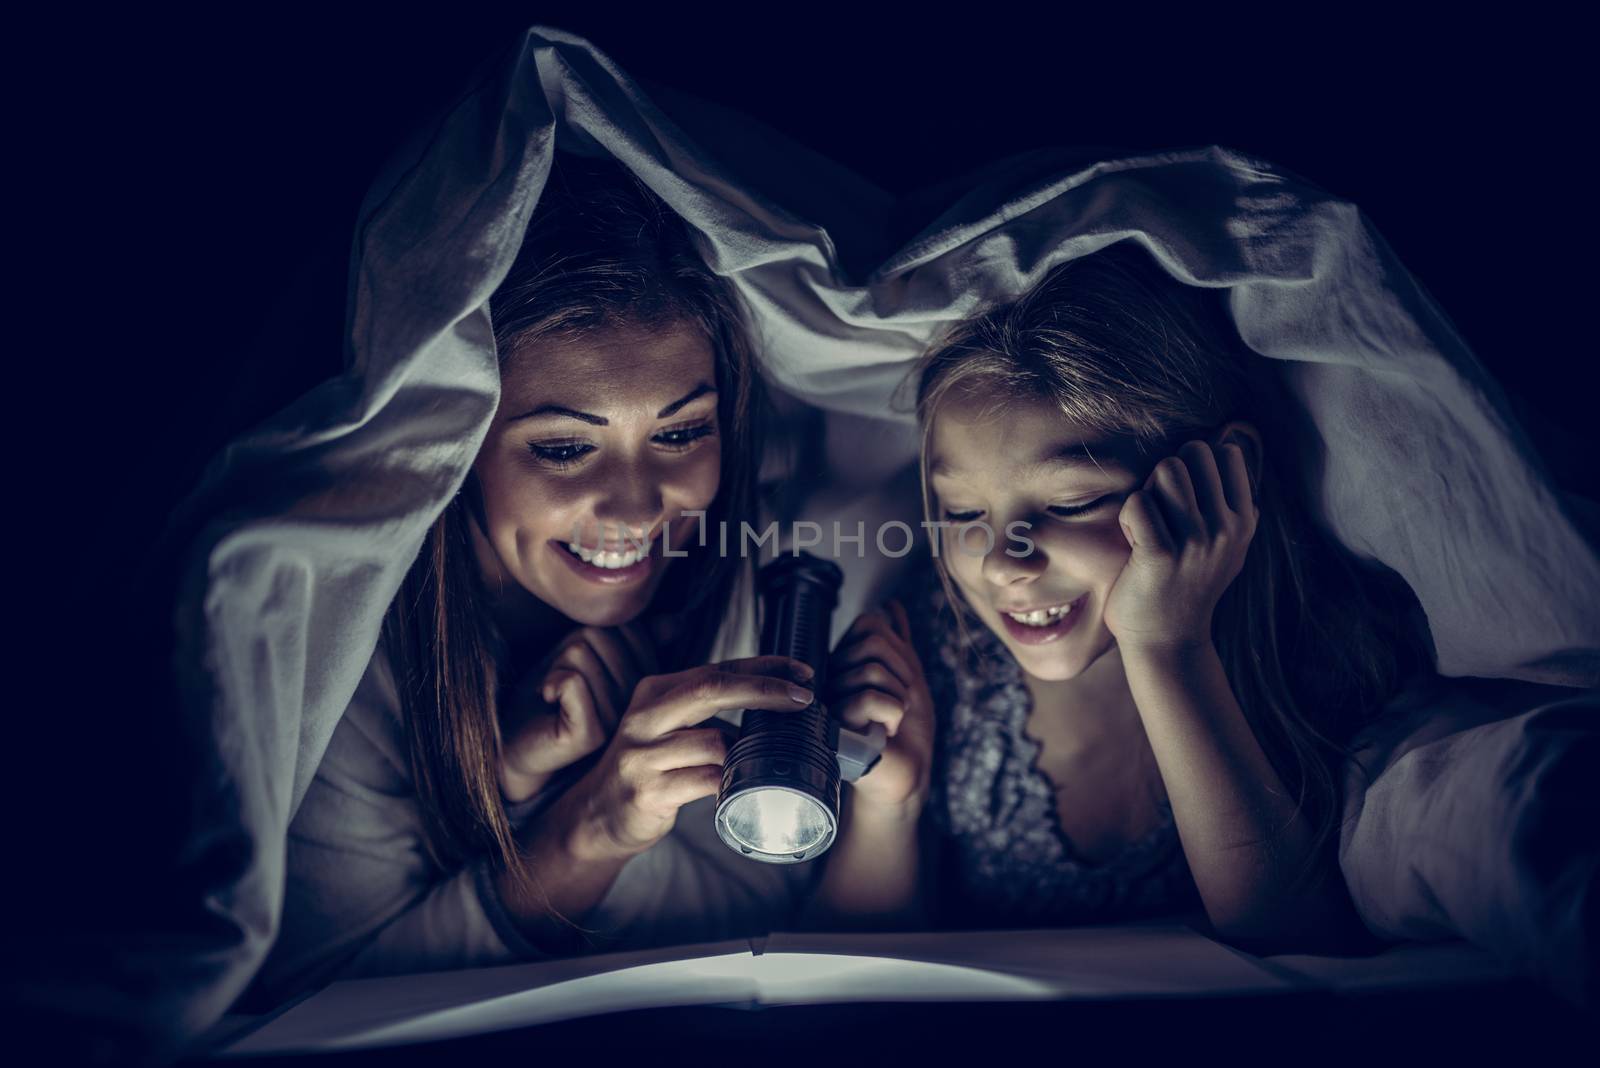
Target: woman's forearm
{"type": "Point", "coordinates": [873, 871]}
{"type": "Point", "coordinates": [1247, 842]}
{"type": "Point", "coordinates": [562, 875]}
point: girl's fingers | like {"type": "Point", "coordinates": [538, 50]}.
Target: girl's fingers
{"type": "Point", "coordinates": [867, 623]}
{"type": "Point", "coordinates": [872, 706]}
{"type": "Point", "coordinates": [1236, 480]}
{"type": "Point", "coordinates": [686, 749]}
{"type": "Point", "coordinates": [876, 648]}
{"type": "Point", "coordinates": [1143, 525]}
{"type": "Point", "coordinates": [699, 694]}
{"type": "Point", "coordinates": [1174, 497]}
{"type": "Point", "coordinates": [1206, 481]}
{"type": "Point", "coordinates": [868, 675]}
{"type": "Point", "coordinates": [901, 621]}
{"type": "Point", "coordinates": [908, 645]}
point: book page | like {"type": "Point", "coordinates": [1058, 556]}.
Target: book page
{"type": "Point", "coordinates": [1139, 960]}
{"type": "Point", "coordinates": [360, 1013]}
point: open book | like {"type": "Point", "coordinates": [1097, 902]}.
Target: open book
{"type": "Point", "coordinates": [1147, 960]}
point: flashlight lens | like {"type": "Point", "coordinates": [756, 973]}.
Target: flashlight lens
{"type": "Point", "coordinates": [774, 821]}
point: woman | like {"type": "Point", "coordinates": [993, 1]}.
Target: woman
{"type": "Point", "coordinates": [531, 725]}
{"type": "Point", "coordinates": [1143, 658]}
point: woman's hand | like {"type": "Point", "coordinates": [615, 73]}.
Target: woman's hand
{"type": "Point", "coordinates": [876, 677]}
{"type": "Point", "coordinates": [1190, 527]}
{"type": "Point", "coordinates": [567, 709]}
{"type": "Point", "coordinates": [660, 758]}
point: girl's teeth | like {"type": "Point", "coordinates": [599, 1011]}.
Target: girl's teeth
{"type": "Point", "coordinates": [1043, 617]}
{"type": "Point", "coordinates": [610, 559]}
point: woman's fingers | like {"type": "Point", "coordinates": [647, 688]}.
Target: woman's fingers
{"type": "Point", "coordinates": [686, 748]}
{"type": "Point", "coordinates": [585, 717]}
{"type": "Point", "coordinates": [643, 649]}
{"type": "Point", "coordinates": [616, 656]}
{"type": "Point", "coordinates": [581, 660]}
{"type": "Point", "coordinates": [786, 666]}
{"type": "Point", "coordinates": [677, 788]}
{"type": "Point", "coordinates": [581, 657]}
{"type": "Point", "coordinates": [697, 695]}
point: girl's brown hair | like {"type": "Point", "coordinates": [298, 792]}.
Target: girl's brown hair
{"type": "Point", "coordinates": [601, 252]}
{"type": "Point", "coordinates": [1313, 641]}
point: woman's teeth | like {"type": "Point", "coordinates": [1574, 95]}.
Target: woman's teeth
{"type": "Point", "coordinates": [611, 559]}
{"type": "Point", "coordinates": [1041, 617]}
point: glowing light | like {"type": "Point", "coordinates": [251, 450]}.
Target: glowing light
{"type": "Point", "coordinates": [776, 821]}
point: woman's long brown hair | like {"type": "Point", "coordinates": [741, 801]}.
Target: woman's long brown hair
{"type": "Point", "coordinates": [601, 252]}
{"type": "Point", "coordinates": [1313, 641]}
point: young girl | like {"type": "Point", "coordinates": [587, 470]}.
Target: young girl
{"type": "Point", "coordinates": [1142, 657]}
{"type": "Point", "coordinates": [553, 622]}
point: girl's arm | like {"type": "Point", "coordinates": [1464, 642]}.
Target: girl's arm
{"type": "Point", "coordinates": [873, 872]}
{"type": "Point", "coordinates": [1249, 846]}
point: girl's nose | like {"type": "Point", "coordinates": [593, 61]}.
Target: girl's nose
{"type": "Point", "coordinates": [1001, 568]}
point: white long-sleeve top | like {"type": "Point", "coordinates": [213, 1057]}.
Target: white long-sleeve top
{"type": "Point", "coordinates": [364, 897]}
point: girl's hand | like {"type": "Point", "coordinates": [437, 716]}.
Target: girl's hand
{"type": "Point", "coordinates": [876, 677]}
{"type": "Point", "coordinates": [566, 710]}
{"type": "Point", "coordinates": [1190, 527]}
{"type": "Point", "coordinates": [660, 759]}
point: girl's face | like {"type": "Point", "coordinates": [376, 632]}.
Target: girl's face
{"type": "Point", "coordinates": [600, 442]}
{"type": "Point", "coordinates": [1024, 462]}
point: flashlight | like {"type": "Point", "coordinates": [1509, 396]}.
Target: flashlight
{"type": "Point", "coordinates": [779, 800]}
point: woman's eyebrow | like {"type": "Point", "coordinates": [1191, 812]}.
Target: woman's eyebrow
{"type": "Point", "coordinates": [556, 409]}
{"type": "Point", "coordinates": [698, 391]}
{"type": "Point", "coordinates": [600, 420]}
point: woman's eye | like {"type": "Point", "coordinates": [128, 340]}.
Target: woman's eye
{"type": "Point", "coordinates": [560, 454]}
{"type": "Point", "coordinates": [679, 438]}
{"type": "Point", "coordinates": [1069, 510]}
{"type": "Point", "coordinates": [962, 517]}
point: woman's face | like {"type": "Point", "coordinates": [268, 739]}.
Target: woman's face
{"type": "Point", "coordinates": [1024, 462]}
{"type": "Point", "coordinates": [600, 442]}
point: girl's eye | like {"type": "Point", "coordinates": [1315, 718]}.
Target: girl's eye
{"type": "Point", "coordinates": [560, 454]}
{"type": "Point", "coordinates": [680, 438]}
{"type": "Point", "coordinates": [962, 517]}
{"type": "Point", "coordinates": [1069, 510]}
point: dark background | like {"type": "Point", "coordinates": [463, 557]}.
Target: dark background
{"type": "Point", "coordinates": [193, 184]}
{"type": "Point", "coordinates": [236, 151]}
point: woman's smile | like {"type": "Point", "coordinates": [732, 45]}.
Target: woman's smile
{"type": "Point", "coordinates": [606, 453]}
{"type": "Point", "coordinates": [608, 567]}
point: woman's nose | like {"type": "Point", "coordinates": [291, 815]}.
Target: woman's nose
{"type": "Point", "coordinates": [630, 500]}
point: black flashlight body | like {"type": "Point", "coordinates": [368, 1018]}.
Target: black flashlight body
{"type": "Point", "coordinates": [794, 751]}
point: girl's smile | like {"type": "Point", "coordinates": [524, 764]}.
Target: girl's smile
{"type": "Point", "coordinates": [1045, 601]}
{"type": "Point", "coordinates": [1040, 625]}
